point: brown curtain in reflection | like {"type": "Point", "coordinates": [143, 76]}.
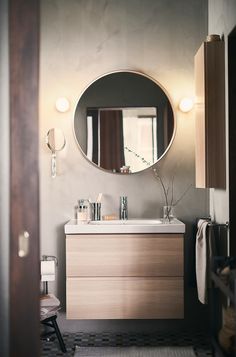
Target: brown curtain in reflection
{"type": "Point", "coordinates": [165, 127]}
{"type": "Point", "coordinates": [111, 140]}
{"type": "Point", "coordinates": [168, 121]}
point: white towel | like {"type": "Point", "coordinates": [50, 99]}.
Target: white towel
{"type": "Point", "coordinates": [49, 306]}
{"type": "Point", "coordinates": [49, 300]}
{"type": "Point", "coordinates": [202, 260]}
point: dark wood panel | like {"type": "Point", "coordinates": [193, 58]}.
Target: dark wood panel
{"type": "Point", "coordinates": [232, 141]}
{"type": "Point", "coordinates": [215, 114]}
{"type": "Point", "coordinates": [210, 115]}
{"type": "Point", "coordinates": [24, 195]}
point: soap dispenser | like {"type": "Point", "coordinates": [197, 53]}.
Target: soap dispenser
{"type": "Point", "coordinates": [82, 212]}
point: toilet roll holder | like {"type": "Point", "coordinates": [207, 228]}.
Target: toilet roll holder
{"type": "Point", "coordinates": [48, 258]}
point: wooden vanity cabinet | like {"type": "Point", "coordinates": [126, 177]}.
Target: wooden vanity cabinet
{"type": "Point", "coordinates": [124, 276]}
{"type": "Point", "coordinates": [209, 71]}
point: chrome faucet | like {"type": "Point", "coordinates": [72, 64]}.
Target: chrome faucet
{"type": "Point", "coordinates": [123, 207]}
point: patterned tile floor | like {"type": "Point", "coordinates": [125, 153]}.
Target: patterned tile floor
{"type": "Point", "coordinates": [199, 342]}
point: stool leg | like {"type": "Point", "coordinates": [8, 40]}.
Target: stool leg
{"type": "Point", "coordinates": [59, 336]}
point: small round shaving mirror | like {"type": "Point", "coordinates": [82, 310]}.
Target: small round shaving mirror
{"type": "Point", "coordinates": [56, 141]}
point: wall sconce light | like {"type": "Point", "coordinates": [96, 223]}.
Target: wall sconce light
{"type": "Point", "coordinates": [62, 104]}
{"type": "Point", "coordinates": [186, 104]}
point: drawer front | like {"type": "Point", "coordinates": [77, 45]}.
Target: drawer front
{"type": "Point", "coordinates": [124, 255]}
{"type": "Point", "coordinates": [125, 298]}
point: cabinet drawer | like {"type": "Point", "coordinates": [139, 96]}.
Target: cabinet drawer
{"type": "Point", "coordinates": [125, 298]}
{"type": "Point", "coordinates": [124, 255]}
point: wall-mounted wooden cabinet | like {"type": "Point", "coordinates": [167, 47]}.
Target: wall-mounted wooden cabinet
{"type": "Point", "coordinates": [124, 276]}
{"type": "Point", "coordinates": [209, 68]}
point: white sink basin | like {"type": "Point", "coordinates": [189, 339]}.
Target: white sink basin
{"type": "Point", "coordinates": [128, 222]}
{"type": "Point", "coordinates": [129, 226]}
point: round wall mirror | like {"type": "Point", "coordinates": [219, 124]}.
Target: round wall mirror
{"type": "Point", "coordinates": [124, 122]}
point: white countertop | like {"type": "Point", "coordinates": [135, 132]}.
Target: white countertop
{"type": "Point", "coordinates": [129, 226]}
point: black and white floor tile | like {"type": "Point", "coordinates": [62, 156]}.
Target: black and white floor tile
{"type": "Point", "coordinates": [199, 342]}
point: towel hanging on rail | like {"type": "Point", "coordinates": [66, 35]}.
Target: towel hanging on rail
{"type": "Point", "coordinates": [204, 251]}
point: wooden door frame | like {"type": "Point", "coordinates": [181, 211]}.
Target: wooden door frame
{"type": "Point", "coordinates": [4, 179]}
{"type": "Point", "coordinates": [24, 176]}
{"type": "Point", "coordinates": [232, 132]}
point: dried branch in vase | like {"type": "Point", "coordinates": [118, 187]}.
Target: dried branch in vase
{"type": "Point", "coordinates": [168, 190]}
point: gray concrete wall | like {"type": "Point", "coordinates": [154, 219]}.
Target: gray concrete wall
{"type": "Point", "coordinates": [222, 20]}
{"type": "Point", "coordinates": [82, 40]}
{"type": "Point", "coordinates": [4, 179]}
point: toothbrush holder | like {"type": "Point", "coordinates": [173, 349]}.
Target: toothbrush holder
{"type": "Point", "coordinates": [96, 211]}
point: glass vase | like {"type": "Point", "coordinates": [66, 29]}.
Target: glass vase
{"type": "Point", "coordinates": [168, 214]}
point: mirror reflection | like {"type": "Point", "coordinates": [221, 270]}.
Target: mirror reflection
{"type": "Point", "coordinates": [124, 122]}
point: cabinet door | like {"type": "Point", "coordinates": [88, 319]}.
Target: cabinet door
{"type": "Point", "coordinates": [125, 298]}
{"type": "Point", "coordinates": [124, 255]}
{"type": "Point", "coordinates": [210, 115]}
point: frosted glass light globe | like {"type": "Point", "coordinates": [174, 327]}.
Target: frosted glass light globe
{"type": "Point", "coordinates": [62, 104]}
{"type": "Point", "coordinates": [186, 104]}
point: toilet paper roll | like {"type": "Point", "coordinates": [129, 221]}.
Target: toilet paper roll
{"type": "Point", "coordinates": [47, 270]}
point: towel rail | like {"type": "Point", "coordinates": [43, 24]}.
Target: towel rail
{"type": "Point", "coordinates": [214, 224]}
{"type": "Point", "coordinates": [226, 227]}
{"type": "Point", "coordinates": [220, 227]}
{"type": "Point", "coordinates": [223, 225]}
